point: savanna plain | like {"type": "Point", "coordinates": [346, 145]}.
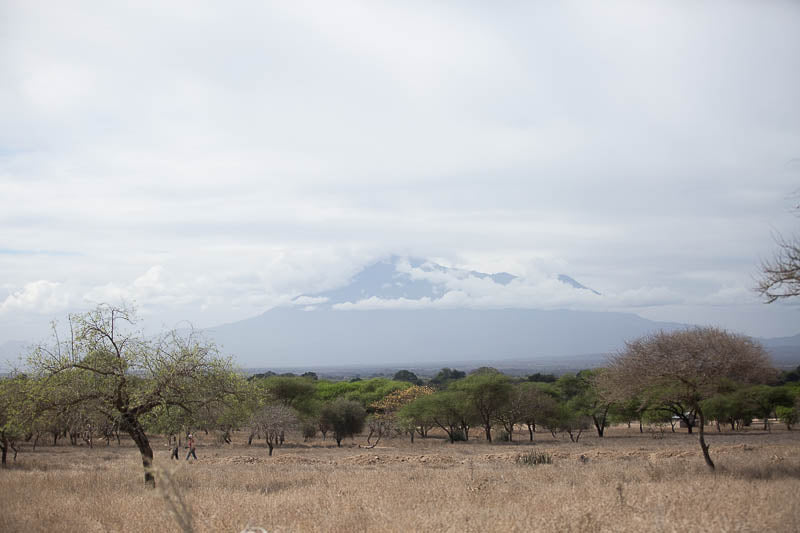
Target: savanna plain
{"type": "Point", "coordinates": [625, 481]}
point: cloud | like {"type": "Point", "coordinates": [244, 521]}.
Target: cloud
{"type": "Point", "coordinates": [42, 296]}
{"type": "Point", "coordinates": [278, 148]}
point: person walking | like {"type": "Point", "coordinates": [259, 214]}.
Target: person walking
{"type": "Point", "coordinates": [174, 444]}
{"type": "Point", "coordinates": [190, 445]}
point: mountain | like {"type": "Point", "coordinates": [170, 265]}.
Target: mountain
{"type": "Point", "coordinates": [785, 351]}
{"type": "Point", "coordinates": [322, 330]}
{"type": "Point", "coordinates": [563, 278]}
{"type": "Point", "coordinates": [284, 337]}
{"type": "Point", "coordinates": [399, 278]}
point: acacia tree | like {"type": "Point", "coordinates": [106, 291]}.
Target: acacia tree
{"type": "Point", "coordinates": [106, 363]}
{"type": "Point", "coordinates": [14, 413]}
{"type": "Point", "coordinates": [694, 364]}
{"type": "Point", "coordinates": [344, 417]}
{"type": "Point", "coordinates": [385, 411]}
{"type": "Point", "coordinates": [489, 392]}
{"type": "Point", "coordinates": [537, 403]}
{"type": "Point", "coordinates": [451, 410]}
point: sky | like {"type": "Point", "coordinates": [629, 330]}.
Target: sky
{"type": "Point", "coordinates": [207, 162]}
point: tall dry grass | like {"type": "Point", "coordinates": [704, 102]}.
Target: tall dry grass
{"type": "Point", "coordinates": [624, 482]}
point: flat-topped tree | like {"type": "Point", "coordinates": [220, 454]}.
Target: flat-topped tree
{"type": "Point", "coordinates": [108, 364]}
{"type": "Point", "coordinates": [692, 364]}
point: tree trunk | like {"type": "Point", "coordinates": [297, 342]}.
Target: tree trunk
{"type": "Point", "coordinates": [488, 430]}
{"type": "Point", "coordinates": [134, 428]}
{"type": "Point", "coordinates": [703, 445]}
{"type": "Point", "coordinates": [4, 450]}
{"type": "Point", "coordinates": [270, 448]}
{"type": "Point", "coordinates": [641, 429]}
{"type": "Point", "coordinates": [530, 431]}
{"type": "Point", "coordinates": [599, 424]}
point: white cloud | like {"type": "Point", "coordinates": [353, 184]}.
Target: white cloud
{"type": "Point", "coordinates": [42, 296]}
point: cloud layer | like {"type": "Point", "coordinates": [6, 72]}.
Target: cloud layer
{"type": "Point", "coordinates": [209, 164]}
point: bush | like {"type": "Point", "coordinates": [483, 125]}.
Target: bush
{"type": "Point", "coordinates": [309, 430]}
{"type": "Point", "coordinates": [534, 458]}
{"type": "Point", "coordinates": [788, 415]}
{"type": "Point", "coordinates": [344, 417]}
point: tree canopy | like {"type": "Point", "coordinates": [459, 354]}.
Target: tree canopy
{"type": "Point", "coordinates": [124, 375]}
{"type": "Point", "coordinates": [688, 366]}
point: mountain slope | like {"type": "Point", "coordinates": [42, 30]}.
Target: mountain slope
{"type": "Point", "coordinates": [291, 337]}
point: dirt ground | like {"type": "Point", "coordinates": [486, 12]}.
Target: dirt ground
{"type": "Point", "coordinates": [626, 481]}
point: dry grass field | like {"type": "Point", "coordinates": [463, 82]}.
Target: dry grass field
{"type": "Point", "coordinates": [624, 482]}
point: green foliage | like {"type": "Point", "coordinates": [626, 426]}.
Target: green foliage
{"type": "Point", "coordinates": [366, 392]}
{"type": "Point", "coordinates": [788, 415]}
{"type": "Point", "coordinates": [542, 378]}
{"type": "Point", "coordinates": [488, 392]}
{"type": "Point", "coordinates": [295, 392]}
{"type": "Point", "coordinates": [567, 419]}
{"type": "Point", "coordinates": [451, 410]}
{"type": "Point", "coordinates": [344, 417]}
{"type": "Point", "coordinates": [108, 365]}
{"type": "Point", "coordinates": [790, 376]}
{"type": "Point", "coordinates": [734, 408]}
{"type": "Point", "coordinates": [407, 375]}
{"type": "Point", "coordinates": [765, 398]}
{"type": "Point", "coordinates": [484, 370]}
{"type": "Point", "coordinates": [16, 412]}
{"type": "Point", "coordinates": [447, 375]}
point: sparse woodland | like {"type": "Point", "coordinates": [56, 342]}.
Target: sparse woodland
{"type": "Point", "coordinates": [483, 451]}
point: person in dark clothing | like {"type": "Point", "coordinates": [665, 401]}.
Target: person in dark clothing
{"type": "Point", "coordinates": [174, 444]}
{"type": "Point", "coordinates": [190, 445]}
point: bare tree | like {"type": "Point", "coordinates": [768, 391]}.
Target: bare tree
{"type": "Point", "coordinates": [272, 422]}
{"type": "Point", "coordinates": [693, 364]}
{"type": "Point", "coordinates": [781, 275]}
